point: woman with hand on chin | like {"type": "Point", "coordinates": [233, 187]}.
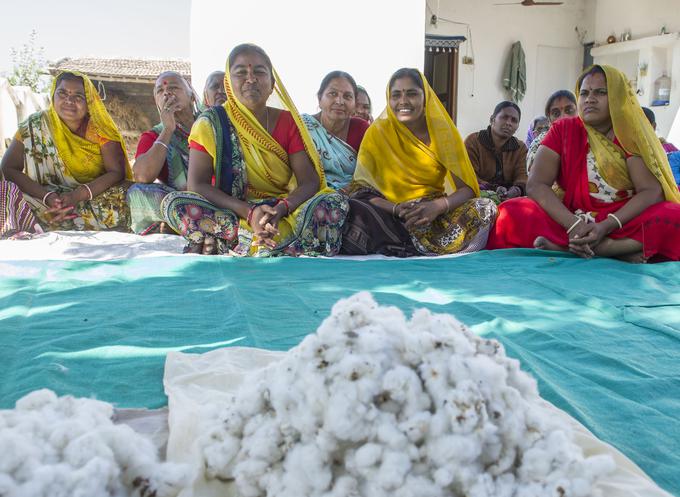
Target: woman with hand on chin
{"type": "Point", "coordinates": [68, 163]}
{"type": "Point", "coordinates": [336, 134]}
{"type": "Point", "coordinates": [620, 199]}
{"type": "Point", "coordinates": [410, 157]}
{"type": "Point", "coordinates": [256, 183]}
{"type": "Point", "coordinates": [162, 152]}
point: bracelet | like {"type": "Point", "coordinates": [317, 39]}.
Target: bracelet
{"type": "Point", "coordinates": [89, 190]}
{"type": "Point", "coordinates": [394, 210]}
{"type": "Point", "coordinates": [448, 206]}
{"type": "Point", "coordinates": [618, 221]}
{"type": "Point", "coordinates": [578, 220]}
{"type": "Point", "coordinates": [285, 201]}
{"type": "Point", "coordinates": [44, 201]}
{"type": "Point", "coordinates": [250, 213]}
{"type": "Point", "coordinates": [161, 143]}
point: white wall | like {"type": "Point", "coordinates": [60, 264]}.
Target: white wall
{"type": "Point", "coordinates": [494, 30]}
{"type": "Point", "coordinates": [306, 39]}
{"type": "Point", "coordinates": [642, 18]}
{"type": "Point", "coordinates": [645, 18]}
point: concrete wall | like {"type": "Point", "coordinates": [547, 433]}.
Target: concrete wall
{"type": "Point", "coordinates": [643, 19]}
{"type": "Point", "coordinates": [306, 39]}
{"type": "Point", "coordinates": [548, 37]}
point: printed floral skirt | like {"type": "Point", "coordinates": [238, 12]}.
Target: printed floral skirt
{"type": "Point", "coordinates": [464, 229]}
{"type": "Point", "coordinates": [314, 228]}
{"type": "Point", "coordinates": [108, 211]}
{"type": "Point", "coordinates": [145, 205]}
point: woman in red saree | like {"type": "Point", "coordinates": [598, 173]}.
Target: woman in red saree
{"type": "Point", "coordinates": [620, 197]}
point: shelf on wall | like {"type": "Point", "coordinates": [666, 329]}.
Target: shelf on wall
{"type": "Point", "coordinates": [619, 47]}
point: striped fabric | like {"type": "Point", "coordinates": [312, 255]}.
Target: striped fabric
{"type": "Point", "coordinates": [15, 213]}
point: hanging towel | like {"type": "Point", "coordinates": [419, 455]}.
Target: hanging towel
{"type": "Point", "coordinates": [515, 73]}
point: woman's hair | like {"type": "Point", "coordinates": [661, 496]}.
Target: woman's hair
{"type": "Point", "coordinates": [407, 72]}
{"type": "Point", "coordinates": [333, 75]}
{"type": "Point", "coordinates": [175, 74]}
{"type": "Point", "coordinates": [538, 119]}
{"type": "Point", "coordinates": [249, 48]}
{"type": "Point", "coordinates": [68, 76]}
{"type": "Point", "coordinates": [649, 113]}
{"type": "Point", "coordinates": [504, 104]}
{"type": "Point", "coordinates": [361, 89]}
{"type": "Point", "coordinates": [558, 94]}
{"type": "Point", "coordinates": [590, 72]}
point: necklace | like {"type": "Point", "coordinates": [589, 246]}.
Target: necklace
{"type": "Point", "coordinates": [267, 112]}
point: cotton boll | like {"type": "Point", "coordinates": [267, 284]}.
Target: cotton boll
{"type": "Point", "coordinates": [36, 400]}
{"type": "Point", "coordinates": [219, 458]}
{"type": "Point", "coordinates": [416, 427]}
{"type": "Point", "coordinates": [393, 470]}
{"type": "Point", "coordinates": [368, 455]}
{"type": "Point", "coordinates": [375, 404]}
{"type": "Point", "coordinates": [70, 447]}
{"type": "Point", "coordinates": [345, 486]}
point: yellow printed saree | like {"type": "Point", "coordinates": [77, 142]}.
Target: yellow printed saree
{"type": "Point", "coordinates": [61, 161]}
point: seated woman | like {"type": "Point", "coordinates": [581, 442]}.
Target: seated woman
{"type": "Point", "coordinates": [68, 163]}
{"type": "Point", "coordinates": [399, 205]}
{"type": "Point", "coordinates": [162, 152]}
{"type": "Point", "coordinates": [336, 134]}
{"type": "Point", "coordinates": [651, 117]}
{"type": "Point", "coordinates": [364, 108]}
{"type": "Point", "coordinates": [561, 104]}
{"type": "Point", "coordinates": [499, 159]}
{"type": "Point", "coordinates": [256, 181]}
{"type": "Point", "coordinates": [538, 126]}
{"type": "Point", "coordinates": [615, 176]}
{"type": "Point", "coordinates": [213, 93]}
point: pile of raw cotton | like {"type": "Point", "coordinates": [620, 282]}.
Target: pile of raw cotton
{"type": "Point", "coordinates": [67, 447]}
{"type": "Point", "coordinates": [374, 405]}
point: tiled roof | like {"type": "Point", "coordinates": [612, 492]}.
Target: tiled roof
{"type": "Point", "coordinates": [122, 68]}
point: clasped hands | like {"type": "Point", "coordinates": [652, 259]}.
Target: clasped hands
{"type": "Point", "coordinates": [264, 222]}
{"type": "Point", "coordinates": [585, 237]}
{"type": "Point", "coordinates": [60, 206]}
{"type": "Point", "coordinates": [419, 213]}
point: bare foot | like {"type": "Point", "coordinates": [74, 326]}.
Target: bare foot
{"type": "Point", "coordinates": [193, 248]}
{"type": "Point", "coordinates": [543, 243]}
{"type": "Point", "coordinates": [209, 246]}
{"type": "Point", "coordinates": [634, 258]}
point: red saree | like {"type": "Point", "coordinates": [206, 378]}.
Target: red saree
{"type": "Point", "coordinates": [521, 220]}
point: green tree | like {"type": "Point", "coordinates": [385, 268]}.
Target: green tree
{"type": "Point", "coordinates": [29, 65]}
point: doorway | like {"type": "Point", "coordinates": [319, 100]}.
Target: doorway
{"type": "Point", "coordinates": [441, 69]}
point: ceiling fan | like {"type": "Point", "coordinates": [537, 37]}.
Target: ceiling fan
{"type": "Point", "coordinates": [530, 3]}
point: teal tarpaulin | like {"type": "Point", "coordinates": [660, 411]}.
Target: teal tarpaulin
{"type": "Point", "coordinates": [602, 337]}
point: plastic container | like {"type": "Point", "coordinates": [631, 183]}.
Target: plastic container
{"type": "Point", "coordinates": [662, 90]}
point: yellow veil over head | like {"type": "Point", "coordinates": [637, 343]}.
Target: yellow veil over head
{"type": "Point", "coordinates": [82, 157]}
{"type": "Point", "coordinates": [634, 132]}
{"type": "Point", "coordinates": [401, 167]}
{"type": "Point", "coordinates": [269, 171]}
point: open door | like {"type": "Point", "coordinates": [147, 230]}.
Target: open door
{"type": "Point", "coordinates": [441, 69]}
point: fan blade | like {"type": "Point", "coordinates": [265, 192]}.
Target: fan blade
{"type": "Point", "coordinates": [547, 3]}
{"type": "Point", "coordinates": [513, 3]}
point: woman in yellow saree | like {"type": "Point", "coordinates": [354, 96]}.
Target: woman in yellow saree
{"type": "Point", "coordinates": [410, 156]}
{"type": "Point", "coordinates": [68, 163]}
{"type": "Point", "coordinates": [255, 181]}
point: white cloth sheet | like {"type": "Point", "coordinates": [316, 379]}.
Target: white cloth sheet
{"type": "Point", "coordinates": [193, 381]}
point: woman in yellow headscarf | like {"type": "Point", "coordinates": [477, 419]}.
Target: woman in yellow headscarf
{"type": "Point", "coordinates": [68, 163]}
{"type": "Point", "coordinates": [255, 181]}
{"type": "Point", "coordinates": [409, 157]}
{"type": "Point", "coordinates": [620, 197]}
